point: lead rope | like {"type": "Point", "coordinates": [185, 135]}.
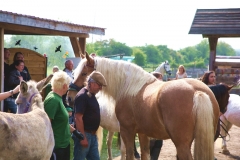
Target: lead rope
{"type": "Point", "coordinates": [224, 128]}
{"type": "Point", "coordinates": [28, 103]}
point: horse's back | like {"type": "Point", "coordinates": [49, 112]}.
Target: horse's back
{"type": "Point", "coordinates": [233, 110]}
{"type": "Point", "coordinates": [22, 139]}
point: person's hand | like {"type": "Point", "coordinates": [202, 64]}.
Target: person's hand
{"type": "Point", "coordinates": [84, 142]}
{"type": "Point", "coordinates": [16, 89]}
{"type": "Point", "coordinates": [20, 78]}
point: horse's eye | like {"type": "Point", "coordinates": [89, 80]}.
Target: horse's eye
{"type": "Point", "coordinates": [84, 74]}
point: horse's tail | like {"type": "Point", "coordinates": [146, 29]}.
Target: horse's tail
{"type": "Point", "coordinates": [204, 128]}
{"type": "Point", "coordinates": [99, 134]}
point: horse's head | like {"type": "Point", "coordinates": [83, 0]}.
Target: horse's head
{"type": "Point", "coordinates": [30, 93]}
{"type": "Point", "coordinates": [84, 68]}
{"type": "Point", "coordinates": [167, 68]}
{"type": "Point", "coordinates": [221, 93]}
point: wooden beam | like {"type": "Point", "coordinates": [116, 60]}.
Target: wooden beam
{"type": "Point", "coordinates": [26, 30]}
{"type": "Point", "coordinates": [221, 35]}
{"type": "Point", "coordinates": [213, 47]}
{"type": "Point", "coordinates": [82, 42]}
{"type": "Point", "coordinates": [2, 64]}
{"type": "Point", "coordinates": [76, 46]}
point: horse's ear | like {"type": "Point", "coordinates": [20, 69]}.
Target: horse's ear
{"type": "Point", "coordinates": [87, 56]}
{"type": "Point", "coordinates": [43, 83]}
{"type": "Point", "coordinates": [23, 87]}
{"type": "Point", "coordinates": [81, 55]}
{"type": "Point", "coordinates": [230, 87]}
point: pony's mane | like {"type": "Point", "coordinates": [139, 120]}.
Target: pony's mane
{"type": "Point", "coordinates": [79, 69]}
{"type": "Point", "coordinates": [123, 78]}
{"type": "Point", "coordinates": [159, 67]}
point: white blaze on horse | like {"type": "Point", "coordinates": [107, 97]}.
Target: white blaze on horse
{"type": "Point", "coordinates": [27, 136]}
{"type": "Point", "coordinates": [183, 110]}
{"type": "Point", "coordinates": [229, 118]}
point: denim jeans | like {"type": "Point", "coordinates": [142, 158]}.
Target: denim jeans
{"type": "Point", "coordinates": [90, 153]}
{"type": "Point", "coordinates": [9, 105]}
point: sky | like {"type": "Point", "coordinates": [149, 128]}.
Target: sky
{"type": "Point", "coordinates": [133, 22]}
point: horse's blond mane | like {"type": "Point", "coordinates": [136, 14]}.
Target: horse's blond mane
{"type": "Point", "coordinates": [123, 78]}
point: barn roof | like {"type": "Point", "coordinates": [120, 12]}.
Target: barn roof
{"type": "Point", "coordinates": [14, 23]}
{"type": "Point", "coordinates": [216, 22]}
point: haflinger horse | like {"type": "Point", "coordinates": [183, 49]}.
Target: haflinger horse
{"type": "Point", "coordinates": [229, 118]}
{"type": "Point", "coordinates": [27, 136]}
{"type": "Point", "coordinates": [183, 110]}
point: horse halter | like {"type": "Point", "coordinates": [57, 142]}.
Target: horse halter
{"type": "Point", "coordinates": [28, 103]}
{"type": "Point", "coordinates": [165, 68]}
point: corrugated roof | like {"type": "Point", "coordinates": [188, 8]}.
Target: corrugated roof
{"type": "Point", "coordinates": [216, 22]}
{"type": "Point", "coordinates": [9, 21]}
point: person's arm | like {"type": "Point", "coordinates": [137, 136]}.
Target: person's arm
{"type": "Point", "coordinates": [79, 135]}
{"type": "Point", "coordinates": [80, 127]}
{"type": "Point", "coordinates": [185, 75]}
{"type": "Point", "coordinates": [5, 95]}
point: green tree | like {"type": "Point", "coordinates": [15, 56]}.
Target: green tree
{"type": "Point", "coordinates": [152, 53]}
{"type": "Point", "coordinates": [164, 51]}
{"type": "Point", "coordinates": [140, 57]}
{"type": "Point", "coordinates": [225, 49]}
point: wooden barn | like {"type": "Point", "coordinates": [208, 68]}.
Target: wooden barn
{"type": "Point", "coordinates": [18, 24]}
{"type": "Point", "coordinates": [214, 24]}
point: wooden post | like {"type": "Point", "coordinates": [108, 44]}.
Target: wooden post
{"type": "Point", "coordinates": [213, 48]}
{"type": "Point", "coordinates": [82, 42]}
{"type": "Point", "coordinates": [75, 45]}
{"type": "Point", "coordinates": [2, 64]}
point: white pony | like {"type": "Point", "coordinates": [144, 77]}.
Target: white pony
{"type": "Point", "coordinates": [164, 67]}
{"type": "Point", "coordinates": [229, 118]}
{"type": "Point", "coordinates": [26, 136]}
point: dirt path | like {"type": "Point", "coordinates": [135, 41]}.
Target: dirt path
{"type": "Point", "coordinates": [168, 151]}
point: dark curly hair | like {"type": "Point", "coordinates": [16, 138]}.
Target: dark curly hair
{"type": "Point", "coordinates": [205, 77]}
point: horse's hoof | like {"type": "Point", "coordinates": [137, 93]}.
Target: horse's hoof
{"type": "Point", "coordinates": [226, 152]}
{"type": "Point", "coordinates": [136, 155]}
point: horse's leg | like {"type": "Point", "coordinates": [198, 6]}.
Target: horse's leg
{"type": "Point", "coordinates": [128, 139]}
{"type": "Point", "coordinates": [227, 125]}
{"type": "Point", "coordinates": [136, 154]}
{"type": "Point", "coordinates": [123, 150]}
{"type": "Point", "coordinates": [109, 144]}
{"type": "Point", "coordinates": [144, 145]}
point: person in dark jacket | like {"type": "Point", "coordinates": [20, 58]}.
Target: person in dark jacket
{"type": "Point", "coordinates": [25, 73]}
{"type": "Point", "coordinates": [14, 80]}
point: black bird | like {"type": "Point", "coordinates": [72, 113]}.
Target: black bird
{"type": "Point", "coordinates": [58, 49]}
{"type": "Point", "coordinates": [35, 48]}
{"type": "Point", "coordinates": [18, 42]}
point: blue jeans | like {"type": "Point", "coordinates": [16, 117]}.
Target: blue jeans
{"type": "Point", "coordinates": [90, 153]}
{"type": "Point", "coordinates": [9, 105]}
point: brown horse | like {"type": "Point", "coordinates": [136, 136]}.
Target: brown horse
{"type": "Point", "coordinates": [183, 110]}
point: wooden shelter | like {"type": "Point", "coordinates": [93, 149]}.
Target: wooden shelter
{"type": "Point", "coordinates": [18, 24]}
{"type": "Point", "coordinates": [214, 24]}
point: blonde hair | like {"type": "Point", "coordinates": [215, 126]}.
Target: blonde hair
{"type": "Point", "coordinates": [59, 79]}
{"type": "Point", "coordinates": [182, 67]}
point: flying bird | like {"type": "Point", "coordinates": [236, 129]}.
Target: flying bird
{"type": "Point", "coordinates": [58, 49]}
{"type": "Point", "coordinates": [18, 42]}
{"type": "Point", "coordinates": [35, 48]}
